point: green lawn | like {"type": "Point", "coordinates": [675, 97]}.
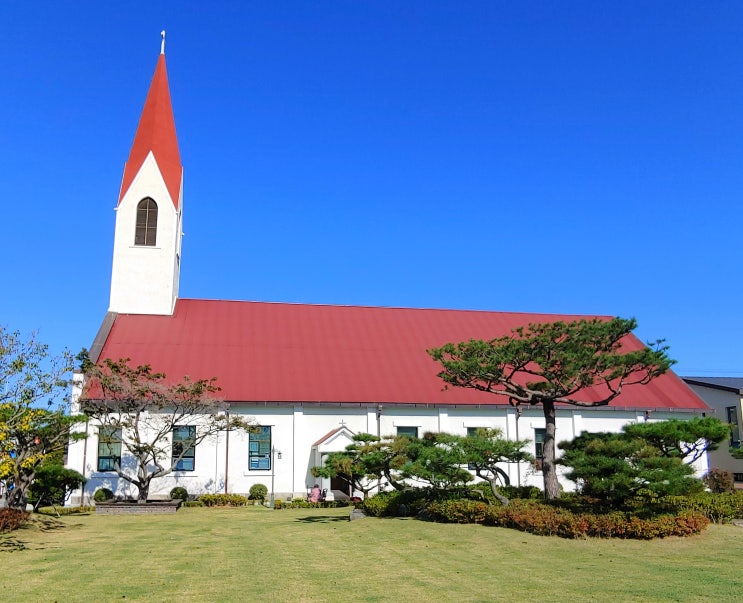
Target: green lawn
{"type": "Point", "coordinates": [251, 554]}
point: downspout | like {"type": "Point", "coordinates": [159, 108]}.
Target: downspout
{"type": "Point", "coordinates": [518, 463]}
{"type": "Point", "coordinates": [227, 453]}
{"type": "Point", "coordinates": [85, 460]}
{"type": "Point", "coordinates": [379, 435]}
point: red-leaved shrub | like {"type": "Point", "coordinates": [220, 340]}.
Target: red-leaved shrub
{"type": "Point", "coordinates": [546, 520]}
{"type": "Point", "coordinates": [11, 519]}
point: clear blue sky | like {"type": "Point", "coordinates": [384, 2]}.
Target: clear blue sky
{"type": "Point", "coordinates": [578, 157]}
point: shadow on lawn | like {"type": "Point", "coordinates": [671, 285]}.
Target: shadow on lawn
{"type": "Point", "coordinates": [9, 544]}
{"type": "Point", "coordinates": [321, 519]}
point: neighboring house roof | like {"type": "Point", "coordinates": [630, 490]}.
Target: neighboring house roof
{"type": "Point", "coordinates": [732, 384]}
{"type": "Point", "coordinates": [156, 133]}
{"type": "Point", "coordinates": [274, 352]}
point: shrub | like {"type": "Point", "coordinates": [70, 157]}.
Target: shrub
{"type": "Point", "coordinates": [718, 508]}
{"type": "Point", "coordinates": [103, 495]}
{"type": "Point", "coordinates": [53, 484]}
{"type": "Point", "coordinates": [389, 504]}
{"type": "Point", "coordinates": [719, 481]}
{"type": "Point", "coordinates": [546, 520]}
{"type": "Point", "coordinates": [179, 493]}
{"type": "Point", "coordinates": [277, 504]}
{"type": "Point", "coordinates": [12, 519]}
{"type": "Point", "coordinates": [521, 492]}
{"type": "Point", "coordinates": [223, 500]}
{"type": "Point", "coordinates": [301, 503]}
{"type": "Point", "coordinates": [257, 492]}
{"type": "Point", "coordinates": [193, 503]}
{"type": "Point", "coordinates": [457, 511]}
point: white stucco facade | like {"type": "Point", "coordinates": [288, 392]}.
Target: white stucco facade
{"type": "Point", "coordinates": [222, 463]}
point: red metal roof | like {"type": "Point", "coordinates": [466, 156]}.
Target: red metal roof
{"type": "Point", "coordinates": [156, 133]}
{"type": "Point", "coordinates": [271, 352]}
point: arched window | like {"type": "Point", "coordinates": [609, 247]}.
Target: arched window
{"type": "Point", "coordinates": [146, 233]}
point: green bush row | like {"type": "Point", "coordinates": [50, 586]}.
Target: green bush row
{"type": "Point", "coordinates": [411, 502]}
{"type": "Point", "coordinates": [223, 500]}
{"type": "Point", "coordinates": [12, 519]}
{"type": "Point", "coordinates": [718, 508]}
{"type": "Point", "coordinates": [397, 502]}
{"type": "Point", "coordinates": [300, 503]}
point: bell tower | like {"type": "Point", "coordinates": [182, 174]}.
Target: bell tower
{"type": "Point", "coordinates": [147, 239]}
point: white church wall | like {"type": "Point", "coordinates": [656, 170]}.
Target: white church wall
{"type": "Point", "coordinates": [297, 428]}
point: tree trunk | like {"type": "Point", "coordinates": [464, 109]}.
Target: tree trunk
{"type": "Point", "coordinates": [494, 487]}
{"type": "Point", "coordinates": [17, 498]}
{"type": "Point", "coordinates": [144, 492]}
{"type": "Point", "coordinates": [549, 469]}
{"type": "Point", "coordinates": [144, 478]}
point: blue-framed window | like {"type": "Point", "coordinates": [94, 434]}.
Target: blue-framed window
{"type": "Point", "coordinates": [259, 446]}
{"type": "Point", "coordinates": [184, 450]}
{"type": "Point", "coordinates": [109, 448]}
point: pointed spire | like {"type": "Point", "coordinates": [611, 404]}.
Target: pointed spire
{"type": "Point", "coordinates": [156, 134]}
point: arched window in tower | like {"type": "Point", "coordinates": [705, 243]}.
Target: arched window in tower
{"type": "Point", "coordinates": [146, 233]}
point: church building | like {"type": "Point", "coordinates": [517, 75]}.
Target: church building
{"type": "Point", "coordinates": [311, 376]}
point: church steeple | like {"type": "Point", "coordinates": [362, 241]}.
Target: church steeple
{"type": "Point", "coordinates": [147, 243]}
{"type": "Point", "coordinates": [156, 135]}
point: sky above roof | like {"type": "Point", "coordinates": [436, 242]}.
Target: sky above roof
{"type": "Point", "coordinates": [579, 158]}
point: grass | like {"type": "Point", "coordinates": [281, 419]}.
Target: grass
{"type": "Point", "coordinates": [307, 555]}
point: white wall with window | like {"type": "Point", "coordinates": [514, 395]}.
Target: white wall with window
{"type": "Point", "coordinates": [233, 462]}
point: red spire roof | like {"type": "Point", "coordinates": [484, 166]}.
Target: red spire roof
{"type": "Point", "coordinates": [156, 133]}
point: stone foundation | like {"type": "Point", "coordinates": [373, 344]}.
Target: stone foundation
{"type": "Point", "coordinates": [132, 507]}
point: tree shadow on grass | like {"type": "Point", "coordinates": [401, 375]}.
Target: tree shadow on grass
{"type": "Point", "coordinates": [10, 544]}
{"type": "Point", "coordinates": [321, 519]}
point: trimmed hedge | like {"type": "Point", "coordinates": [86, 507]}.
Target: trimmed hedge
{"type": "Point", "coordinates": [12, 519]}
{"type": "Point", "coordinates": [300, 503]}
{"type": "Point", "coordinates": [258, 492]}
{"type": "Point", "coordinates": [411, 502]}
{"type": "Point", "coordinates": [457, 511]}
{"type": "Point", "coordinates": [223, 500]}
{"type": "Point", "coordinates": [546, 520]}
{"type": "Point", "coordinates": [718, 508]}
